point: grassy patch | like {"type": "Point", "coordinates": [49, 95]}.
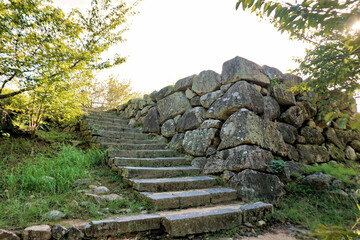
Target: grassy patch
{"type": "Point", "coordinates": [37, 176]}
{"type": "Point", "coordinates": [339, 171]}
{"type": "Point", "coordinates": [307, 208]}
{"type": "Point", "coordinates": [55, 136]}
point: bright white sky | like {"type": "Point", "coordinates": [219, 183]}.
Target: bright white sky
{"type": "Point", "coordinates": [172, 39]}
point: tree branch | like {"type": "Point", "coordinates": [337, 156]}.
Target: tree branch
{"type": "Point", "coordinates": [15, 93]}
{"type": "Point", "coordinates": [6, 81]}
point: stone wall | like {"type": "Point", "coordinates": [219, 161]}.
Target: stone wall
{"type": "Point", "coordinates": [237, 123]}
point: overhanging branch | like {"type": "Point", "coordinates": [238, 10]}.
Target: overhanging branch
{"type": "Point", "coordinates": [15, 93]}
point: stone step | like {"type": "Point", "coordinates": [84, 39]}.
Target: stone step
{"type": "Point", "coordinates": [105, 117]}
{"type": "Point", "coordinates": [122, 135]}
{"type": "Point", "coordinates": [181, 223]}
{"type": "Point", "coordinates": [118, 122]}
{"type": "Point", "coordinates": [157, 172]}
{"type": "Point", "coordinates": [141, 153]}
{"type": "Point", "coordinates": [127, 146]}
{"type": "Point", "coordinates": [109, 127]}
{"type": "Point", "coordinates": [172, 184]}
{"type": "Point", "coordinates": [102, 139]}
{"type": "Point", "coordinates": [190, 198]}
{"type": "Point", "coordinates": [210, 219]}
{"type": "Point", "coordinates": [150, 162]}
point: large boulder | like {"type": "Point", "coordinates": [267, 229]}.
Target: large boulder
{"type": "Point", "coordinates": [190, 94]}
{"type": "Point", "coordinates": [206, 81]}
{"type": "Point", "coordinates": [41, 232]}
{"type": "Point", "coordinates": [211, 123]}
{"type": "Point", "coordinates": [355, 144]}
{"type": "Point", "coordinates": [196, 142]}
{"type": "Point", "coordinates": [310, 154]}
{"type": "Point", "coordinates": [333, 138]}
{"type": "Point", "coordinates": [208, 99]}
{"type": "Point", "coordinates": [309, 112]}
{"type": "Point", "coordinates": [168, 129]}
{"type": "Point", "coordinates": [284, 96]}
{"type": "Point", "coordinates": [294, 116]}
{"type": "Point", "coordinates": [350, 153]}
{"type": "Point", "coordinates": [176, 142]}
{"type": "Point", "coordinates": [291, 80]}
{"type": "Point", "coordinates": [245, 127]}
{"type": "Point", "coordinates": [273, 73]}
{"type": "Point", "coordinates": [184, 83]}
{"type": "Point", "coordinates": [288, 132]}
{"type": "Point", "coordinates": [319, 181]}
{"type": "Point", "coordinates": [257, 185]}
{"type": "Point", "coordinates": [7, 235]}
{"type": "Point", "coordinates": [271, 108]}
{"type": "Point", "coordinates": [152, 121]}
{"type": "Point", "coordinates": [240, 95]}
{"type": "Point", "coordinates": [335, 152]}
{"type": "Point", "coordinates": [312, 136]}
{"type": "Point", "coordinates": [165, 91]}
{"type": "Point", "coordinates": [191, 119]}
{"type": "Point", "coordinates": [293, 154]}
{"type": "Point", "coordinates": [242, 69]}
{"type": "Point", "coordinates": [238, 159]}
{"type": "Point", "coordinates": [172, 105]}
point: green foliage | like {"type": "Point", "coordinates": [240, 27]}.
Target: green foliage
{"type": "Point", "coordinates": [339, 171]}
{"type": "Point", "coordinates": [278, 165]}
{"type": "Point", "coordinates": [55, 136]}
{"type": "Point", "coordinates": [110, 93]}
{"type": "Point", "coordinates": [51, 55]}
{"type": "Point", "coordinates": [332, 64]}
{"type": "Point", "coordinates": [37, 177]}
{"type": "Point", "coordinates": [339, 232]}
{"type": "Point", "coordinates": [41, 45]}
{"type": "Point", "coordinates": [50, 174]}
{"type": "Point", "coordinates": [303, 206]}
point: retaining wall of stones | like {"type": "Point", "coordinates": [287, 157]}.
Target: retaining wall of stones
{"type": "Point", "coordinates": [239, 123]}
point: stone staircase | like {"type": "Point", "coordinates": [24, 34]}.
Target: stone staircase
{"type": "Point", "coordinates": [186, 201]}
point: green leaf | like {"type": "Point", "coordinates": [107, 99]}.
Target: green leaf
{"type": "Point", "coordinates": [271, 9]}
{"type": "Point", "coordinates": [328, 116]}
{"type": "Point", "coordinates": [342, 123]}
{"type": "Point", "coordinates": [237, 5]}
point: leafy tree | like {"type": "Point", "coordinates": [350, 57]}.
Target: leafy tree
{"type": "Point", "coordinates": [111, 92]}
{"type": "Point", "coordinates": [40, 45]}
{"type": "Point", "coordinates": [332, 65]}
{"type": "Point", "coordinates": [43, 52]}
{"type": "Point", "coordinates": [59, 102]}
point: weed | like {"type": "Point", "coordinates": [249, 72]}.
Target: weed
{"type": "Point", "coordinates": [55, 136]}
{"type": "Point", "coordinates": [339, 171]}
{"type": "Point", "coordinates": [278, 165]}
{"type": "Point", "coordinates": [308, 208]}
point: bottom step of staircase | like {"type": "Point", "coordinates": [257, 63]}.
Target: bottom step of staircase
{"type": "Point", "coordinates": [183, 222]}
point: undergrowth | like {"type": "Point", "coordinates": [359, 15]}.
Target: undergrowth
{"type": "Point", "coordinates": [308, 208]}
{"type": "Point", "coordinates": [339, 171]}
{"type": "Point", "coordinates": [38, 175]}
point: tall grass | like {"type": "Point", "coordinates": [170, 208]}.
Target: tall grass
{"type": "Point", "coordinates": [53, 175]}
{"type": "Point", "coordinates": [339, 171]}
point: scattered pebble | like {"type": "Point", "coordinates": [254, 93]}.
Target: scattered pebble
{"type": "Point", "coordinates": [101, 189]}
{"type": "Point", "coordinates": [81, 182]}
{"type": "Point", "coordinates": [54, 215]}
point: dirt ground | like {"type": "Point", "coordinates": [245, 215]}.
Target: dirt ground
{"type": "Point", "coordinates": [271, 236]}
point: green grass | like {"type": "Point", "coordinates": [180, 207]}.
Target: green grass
{"type": "Point", "coordinates": [55, 136]}
{"type": "Point", "coordinates": [37, 176]}
{"type": "Point", "coordinates": [339, 171]}
{"type": "Point", "coordinates": [308, 208]}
